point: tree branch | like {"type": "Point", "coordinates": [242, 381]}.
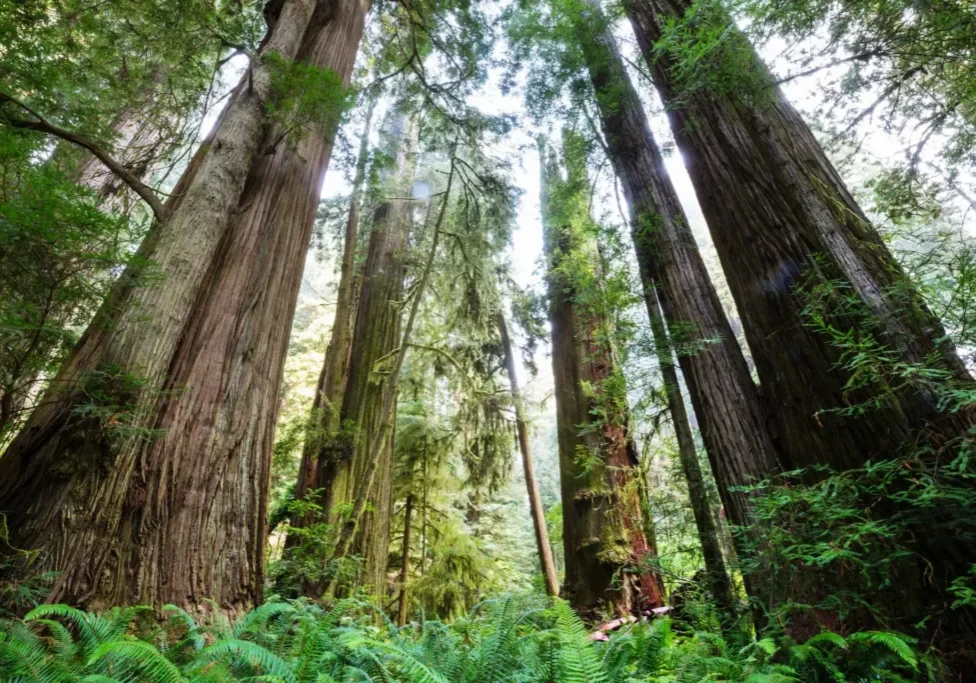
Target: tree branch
{"type": "Point", "coordinates": [42, 125]}
{"type": "Point", "coordinates": [860, 57]}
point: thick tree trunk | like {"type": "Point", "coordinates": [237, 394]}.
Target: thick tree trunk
{"type": "Point", "coordinates": [718, 577]}
{"type": "Point", "coordinates": [723, 395]}
{"type": "Point", "coordinates": [546, 562]}
{"type": "Point", "coordinates": [130, 514]}
{"type": "Point", "coordinates": [324, 421]}
{"type": "Point", "coordinates": [374, 343]}
{"type": "Point", "coordinates": [764, 181]}
{"type": "Point", "coordinates": [404, 604]}
{"type": "Point", "coordinates": [603, 524]}
{"type": "Point", "coordinates": [785, 225]}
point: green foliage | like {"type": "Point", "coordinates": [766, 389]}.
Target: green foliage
{"type": "Point", "coordinates": [706, 53]}
{"type": "Point", "coordinates": [900, 64]}
{"type": "Point", "coordinates": [57, 252]}
{"type": "Point", "coordinates": [515, 638]}
{"type": "Point", "coordinates": [305, 561]}
{"type": "Point", "coordinates": [305, 98]}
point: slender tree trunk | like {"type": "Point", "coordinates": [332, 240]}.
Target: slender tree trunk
{"type": "Point", "coordinates": [725, 399]}
{"type": "Point", "coordinates": [326, 406]}
{"type": "Point", "coordinates": [535, 503]}
{"type": "Point", "coordinates": [374, 344]}
{"type": "Point", "coordinates": [718, 577]}
{"type": "Point", "coordinates": [603, 521]}
{"type": "Point", "coordinates": [144, 476]}
{"type": "Point", "coordinates": [784, 225]}
{"type": "Point", "coordinates": [405, 562]}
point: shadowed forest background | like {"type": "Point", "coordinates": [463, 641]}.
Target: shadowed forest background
{"type": "Point", "coordinates": [457, 340]}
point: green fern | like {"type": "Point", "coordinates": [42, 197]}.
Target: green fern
{"type": "Point", "coordinates": [137, 659]}
{"type": "Point", "coordinates": [513, 639]}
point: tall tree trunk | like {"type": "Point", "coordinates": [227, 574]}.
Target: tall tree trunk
{"type": "Point", "coordinates": [718, 577]}
{"type": "Point", "coordinates": [366, 482]}
{"type": "Point", "coordinates": [144, 476]}
{"type": "Point", "coordinates": [405, 562]}
{"type": "Point", "coordinates": [763, 179]}
{"type": "Point", "coordinates": [324, 421]}
{"type": "Point", "coordinates": [724, 397]}
{"type": "Point", "coordinates": [785, 225]}
{"type": "Point", "coordinates": [375, 340]}
{"type": "Point", "coordinates": [603, 524]}
{"type": "Point", "coordinates": [546, 562]}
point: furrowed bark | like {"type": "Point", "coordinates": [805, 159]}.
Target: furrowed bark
{"type": "Point", "coordinates": [366, 481]}
{"type": "Point", "coordinates": [129, 518]}
{"type": "Point", "coordinates": [781, 218]}
{"type": "Point", "coordinates": [725, 399]}
{"type": "Point", "coordinates": [784, 224]}
{"type": "Point", "coordinates": [603, 519]}
{"type": "Point", "coordinates": [332, 380]}
{"type": "Point", "coordinates": [220, 431]}
{"type": "Point", "coordinates": [546, 562]}
{"type": "Point", "coordinates": [377, 333]}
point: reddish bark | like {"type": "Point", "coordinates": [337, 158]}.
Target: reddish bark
{"type": "Point", "coordinates": [130, 519]}
{"type": "Point", "coordinates": [603, 523]}
{"type": "Point", "coordinates": [784, 223]}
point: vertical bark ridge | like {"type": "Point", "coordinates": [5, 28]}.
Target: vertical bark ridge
{"type": "Point", "coordinates": [87, 492]}
{"type": "Point", "coordinates": [376, 336]}
{"type": "Point", "coordinates": [718, 577]}
{"type": "Point", "coordinates": [332, 379]}
{"type": "Point", "coordinates": [784, 224]}
{"type": "Point", "coordinates": [724, 397]}
{"type": "Point", "coordinates": [603, 525]}
{"type": "Point", "coordinates": [208, 478]}
{"type": "Point", "coordinates": [781, 219]}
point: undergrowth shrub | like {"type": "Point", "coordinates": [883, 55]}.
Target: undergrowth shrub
{"type": "Point", "coordinates": [515, 638]}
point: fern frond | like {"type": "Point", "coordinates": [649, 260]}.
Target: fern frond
{"type": "Point", "coordinates": [255, 656]}
{"type": "Point", "coordinates": [137, 657]}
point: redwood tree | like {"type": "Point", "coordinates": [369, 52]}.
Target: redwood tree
{"type": "Point", "coordinates": [603, 524]}
{"type": "Point", "coordinates": [375, 341]}
{"type": "Point", "coordinates": [725, 400]}
{"type": "Point", "coordinates": [324, 421]}
{"type": "Point", "coordinates": [718, 578]}
{"type": "Point", "coordinates": [815, 285]}
{"type": "Point", "coordinates": [143, 477]}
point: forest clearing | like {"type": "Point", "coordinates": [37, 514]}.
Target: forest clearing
{"type": "Point", "coordinates": [443, 341]}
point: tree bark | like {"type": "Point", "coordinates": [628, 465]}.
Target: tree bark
{"type": "Point", "coordinates": [375, 340]}
{"type": "Point", "coordinates": [603, 522]}
{"type": "Point", "coordinates": [405, 563]}
{"type": "Point", "coordinates": [718, 577]}
{"type": "Point", "coordinates": [546, 562]}
{"type": "Point", "coordinates": [725, 400]}
{"type": "Point", "coordinates": [763, 180]}
{"type": "Point", "coordinates": [784, 224]}
{"type": "Point", "coordinates": [326, 406]}
{"type": "Point", "coordinates": [366, 482]}
{"type": "Point", "coordinates": [127, 516]}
